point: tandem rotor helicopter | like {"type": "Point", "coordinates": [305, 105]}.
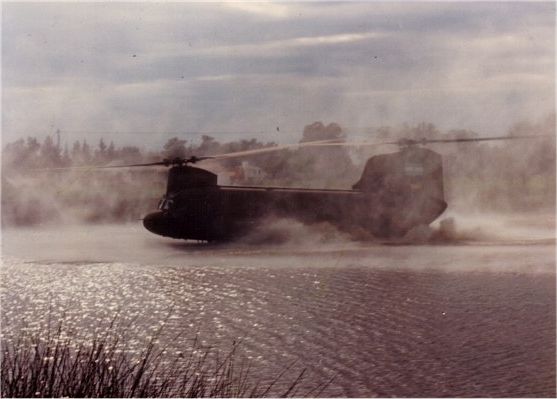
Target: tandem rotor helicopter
{"type": "Point", "coordinates": [395, 193]}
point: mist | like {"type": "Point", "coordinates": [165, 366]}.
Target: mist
{"type": "Point", "coordinates": [483, 182]}
{"type": "Point", "coordinates": [168, 80]}
{"type": "Point", "coordinates": [187, 79]}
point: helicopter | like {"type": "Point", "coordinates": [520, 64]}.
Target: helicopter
{"type": "Point", "coordinates": [396, 192]}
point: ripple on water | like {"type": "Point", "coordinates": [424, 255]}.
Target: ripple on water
{"type": "Point", "coordinates": [380, 331]}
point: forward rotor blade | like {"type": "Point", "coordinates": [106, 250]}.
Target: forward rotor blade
{"type": "Point", "coordinates": [160, 163]}
{"type": "Point", "coordinates": [92, 167]}
{"type": "Point", "coordinates": [353, 143]}
{"type": "Point", "coordinates": [63, 168]}
{"type": "Point", "coordinates": [164, 162]}
{"type": "Point", "coordinates": [272, 149]}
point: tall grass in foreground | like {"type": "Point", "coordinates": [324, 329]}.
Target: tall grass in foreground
{"type": "Point", "coordinates": [55, 365]}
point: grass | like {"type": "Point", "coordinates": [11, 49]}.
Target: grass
{"type": "Point", "coordinates": [54, 364]}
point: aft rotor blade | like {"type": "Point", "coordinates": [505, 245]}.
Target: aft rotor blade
{"type": "Point", "coordinates": [409, 142]}
{"type": "Point", "coordinates": [473, 139]}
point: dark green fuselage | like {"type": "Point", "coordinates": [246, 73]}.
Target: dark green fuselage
{"type": "Point", "coordinates": [395, 193]}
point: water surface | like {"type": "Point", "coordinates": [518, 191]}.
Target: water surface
{"type": "Point", "coordinates": [460, 319]}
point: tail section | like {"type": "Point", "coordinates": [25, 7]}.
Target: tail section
{"type": "Point", "coordinates": [408, 187]}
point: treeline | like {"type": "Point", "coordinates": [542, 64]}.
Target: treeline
{"type": "Point", "coordinates": [37, 189]}
{"type": "Point", "coordinates": [516, 175]}
{"type": "Point", "coordinates": [31, 153]}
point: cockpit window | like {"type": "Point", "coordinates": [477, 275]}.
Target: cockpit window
{"type": "Point", "coordinates": [165, 204]}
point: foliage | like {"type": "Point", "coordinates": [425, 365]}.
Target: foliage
{"type": "Point", "coordinates": [56, 364]}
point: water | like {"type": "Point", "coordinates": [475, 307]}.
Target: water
{"type": "Point", "coordinates": [467, 318]}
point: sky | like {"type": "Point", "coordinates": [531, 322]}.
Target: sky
{"type": "Point", "coordinates": [140, 73]}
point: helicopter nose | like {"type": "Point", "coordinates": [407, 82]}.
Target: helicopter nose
{"type": "Point", "coordinates": [156, 222]}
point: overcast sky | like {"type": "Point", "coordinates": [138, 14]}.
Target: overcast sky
{"type": "Point", "coordinates": [147, 71]}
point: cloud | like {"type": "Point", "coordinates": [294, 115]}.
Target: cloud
{"type": "Point", "coordinates": [296, 43]}
{"type": "Point", "coordinates": [251, 66]}
{"type": "Point", "coordinates": [267, 9]}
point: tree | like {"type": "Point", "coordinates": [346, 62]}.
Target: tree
{"type": "Point", "coordinates": [85, 152]}
{"type": "Point", "coordinates": [100, 153]}
{"type": "Point", "coordinates": [317, 131]}
{"type": "Point", "coordinates": [66, 160]}
{"type": "Point", "coordinates": [208, 145]}
{"type": "Point", "coordinates": [76, 151]}
{"type": "Point", "coordinates": [130, 154]}
{"type": "Point", "coordinates": [111, 151]}
{"type": "Point", "coordinates": [175, 148]}
{"type": "Point", "coordinates": [50, 153]}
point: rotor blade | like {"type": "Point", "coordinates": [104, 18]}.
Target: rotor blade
{"type": "Point", "coordinates": [408, 142]}
{"type": "Point", "coordinates": [92, 167]}
{"type": "Point", "coordinates": [473, 139]}
{"type": "Point", "coordinates": [62, 168]}
{"type": "Point", "coordinates": [353, 143]}
{"type": "Point", "coordinates": [272, 149]}
{"type": "Point", "coordinates": [160, 163]}
{"type": "Point", "coordinates": [164, 162]}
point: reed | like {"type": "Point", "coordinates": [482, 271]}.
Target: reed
{"type": "Point", "coordinates": [57, 365]}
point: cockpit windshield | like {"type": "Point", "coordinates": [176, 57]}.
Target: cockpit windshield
{"type": "Point", "coordinates": [165, 204]}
